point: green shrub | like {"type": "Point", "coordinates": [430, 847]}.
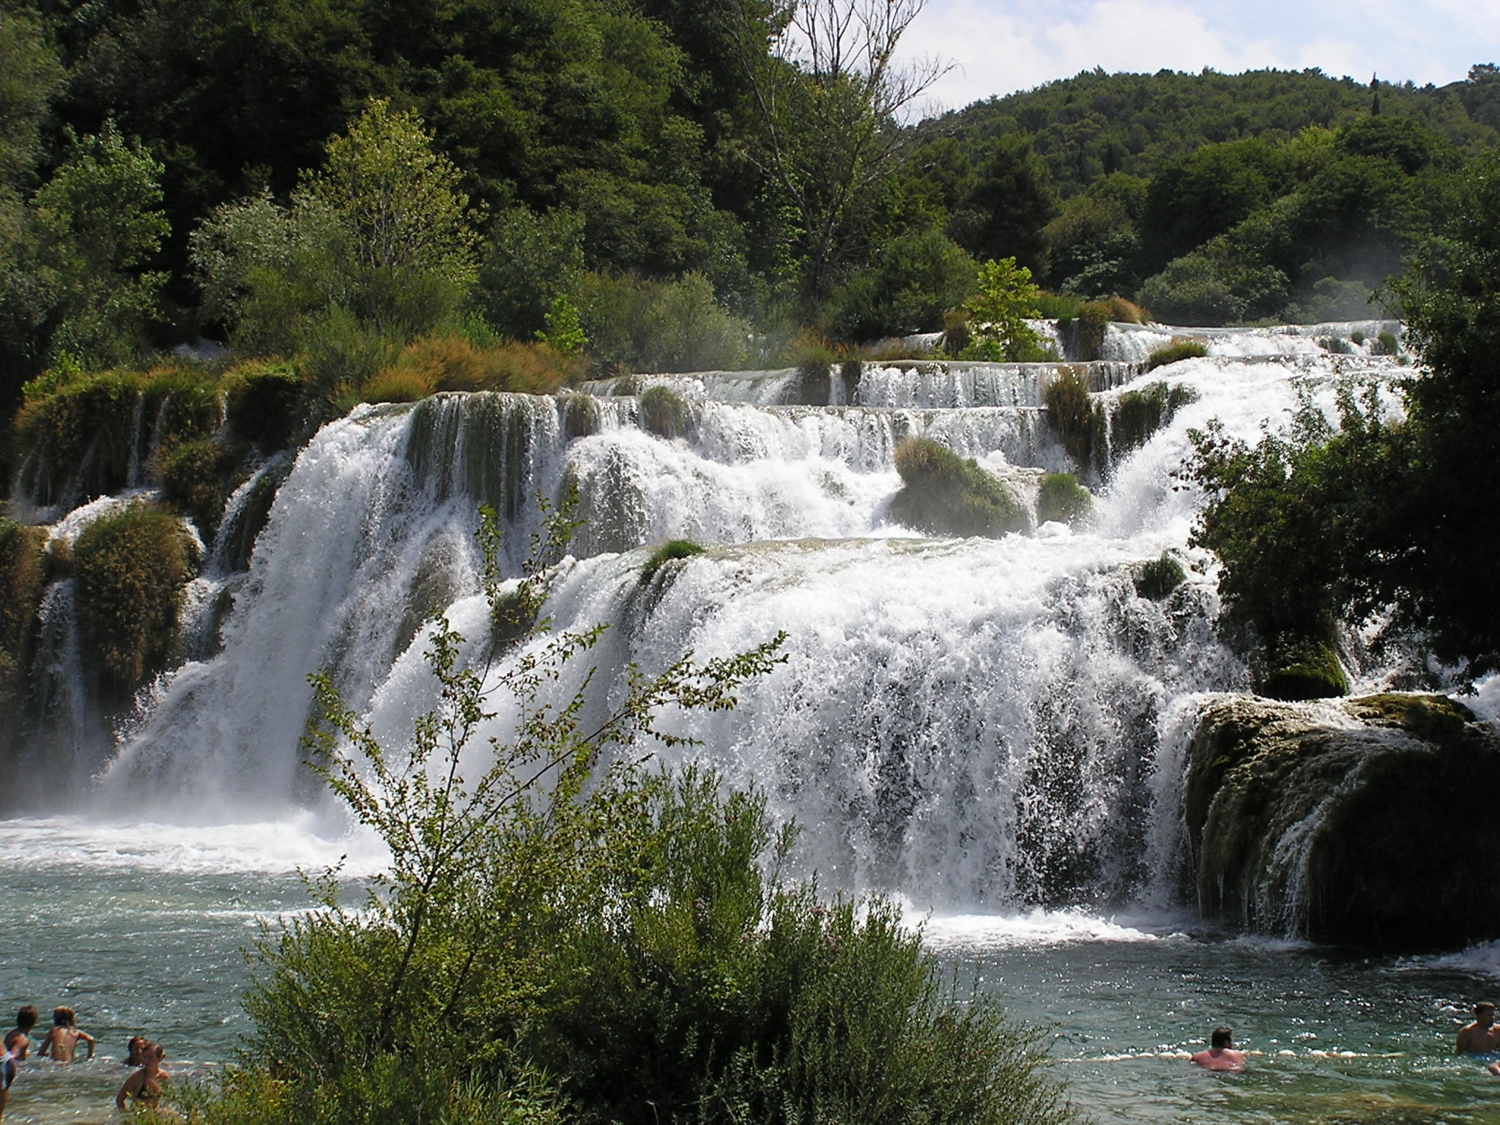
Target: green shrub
{"type": "Point", "coordinates": [1159, 577]}
{"type": "Point", "coordinates": [944, 494]}
{"type": "Point", "coordinates": [1357, 338]}
{"type": "Point", "coordinates": [1061, 499]}
{"type": "Point", "coordinates": [263, 402]}
{"type": "Point", "coordinates": [1057, 306]}
{"type": "Point", "coordinates": [1139, 414]}
{"type": "Point", "coordinates": [1302, 670]}
{"type": "Point", "coordinates": [1074, 417]}
{"type": "Point", "coordinates": [655, 326]}
{"type": "Point", "coordinates": [911, 280]}
{"type": "Point", "coordinates": [671, 549]}
{"type": "Point", "coordinates": [1386, 344]}
{"type": "Point", "coordinates": [999, 313]}
{"type": "Point", "coordinates": [1336, 344]}
{"type": "Point", "coordinates": [663, 412]}
{"type": "Point", "coordinates": [1179, 349]}
{"type": "Point", "coordinates": [131, 570]}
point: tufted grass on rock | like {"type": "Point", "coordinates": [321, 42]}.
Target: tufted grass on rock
{"type": "Point", "coordinates": [1074, 417]}
{"type": "Point", "coordinates": [1159, 577]}
{"type": "Point", "coordinates": [1139, 414]}
{"type": "Point", "coordinates": [671, 549]}
{"type": "Point", "coordinates": [263, 402]}
{"type": "Point", "coordinates": [131, 569]}
{"type": "Point", "coordinates": [663, 412]}
{"type": "Point", "coordinates": [1179, 349]}
{"type": "Point", "coordinates": [945, 494]}
{"type": "Point", "coordinates": [1061, 499]}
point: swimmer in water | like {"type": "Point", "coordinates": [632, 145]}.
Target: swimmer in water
{"type": "Point", "coordinates": [13, 1049]}
{"type": "Point", "coordinates": [1482, 1036]}
{"type": "Point", "coordinates": [143, 1087]}
{"type": "Point", "coordinates": [1221, 1054]}
{"type": "Point", "coordinates": [62, 1041]}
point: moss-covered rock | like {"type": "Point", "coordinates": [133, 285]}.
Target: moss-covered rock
{"type": "Point", "coordinates": [1352, 822]}
{"type": "Point", "coordinates": [1139, 414]}
{"type": "Point", "coordinates": [671, 549]}
{"type": "Point", "coordinates": [1306, 670]}
{"type": "Point", "coordinates": [663, 412]}
{"type": "Point", "coordinates": [197, 478]}
{"type": "Point", "coordinates": [1159, 577]}
{"type": "Point", "coordinates": [579, 415]}
{"type": "Point", "coordinates": [22, 580]}
{"type": "Point", "coordinates": [264, 403]}
{"type": "Point", "coordinates": [131, 569]}
{"type": "Point", "coordinates": [945, 494]}
{"type": "Point", "coordinates": [1176, 351]}
{"type": "Point", "coordinates": [1061, 499]}
{"type": "Point", "coordinates": [1078, 423]}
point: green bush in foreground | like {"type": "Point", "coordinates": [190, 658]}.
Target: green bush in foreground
{"type": "Point", "coordinates": [945, 494]}
{"type": "Point", "coordinates": [610, 944]}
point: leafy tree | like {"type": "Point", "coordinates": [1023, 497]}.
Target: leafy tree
{"type": "Point", "coordinates": [99, 222]}
{"type": "Point", "coordinates": [1014, 197]}
{"type": "Point", "coordinates": [828, 99]}
{"type": "Point", "coordinates": [998, 314]}
{"type": "Point", "coordinates": [913, 280]}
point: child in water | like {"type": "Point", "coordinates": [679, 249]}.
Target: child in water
{"type": "Point", "coordinates": [13, 1050]}
{"type": "Point", "coordinates": [62, 1041]}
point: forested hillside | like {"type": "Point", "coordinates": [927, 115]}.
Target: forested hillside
{"type": "Point", "coordinates": [646, 185]}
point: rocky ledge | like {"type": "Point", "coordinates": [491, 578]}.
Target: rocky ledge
{"type": "Point", "coordinates": [1364, 821]}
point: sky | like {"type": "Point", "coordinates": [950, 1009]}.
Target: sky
{"type": "Point", "coordinates": [1000, 46]}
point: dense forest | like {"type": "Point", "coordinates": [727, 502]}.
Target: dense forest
{"type": "Point", "coordinates": [652, 184]}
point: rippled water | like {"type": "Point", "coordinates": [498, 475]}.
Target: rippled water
{"type": "Point", "coordinates": [143, 928]}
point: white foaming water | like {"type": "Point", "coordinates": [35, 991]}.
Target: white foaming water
{"type": "Point", "coordinates": [974, 723]}
{"type": "Point", "coordinates": [1032, 929]}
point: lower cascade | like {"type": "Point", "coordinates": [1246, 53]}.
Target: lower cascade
{"type": "Point", "coordinates": [972, 723]}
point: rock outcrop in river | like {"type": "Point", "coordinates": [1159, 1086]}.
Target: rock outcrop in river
{"type": "Point", "coordinates": [1364, 821]}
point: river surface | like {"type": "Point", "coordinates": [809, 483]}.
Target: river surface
{"type": "Point", "coordinates": [143, 928]}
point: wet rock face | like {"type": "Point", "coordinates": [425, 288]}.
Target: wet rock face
{"type": "Point", "coordinates": [1364, 821]}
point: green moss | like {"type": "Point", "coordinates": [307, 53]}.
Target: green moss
{"type": "Point", "coordinates": [1139, 414]}
{"type": "Point", "coordinates": [1433, 717]}
{"type": "Point", "coordinates": [131, 570]}
{"type": "Point", "coordinates": [944, 494]}
{"type": "Point", "coordinates": [1159, 577]}
{"type": "Point", "coordinates": [1093, 325]}
{"type": "Point", "coordinates": [263, 402]}
{"type": "Point", "coordinates": [671, 549]}
{"type": "Point", "coordinates": [579, 415]}
{"type": "Point", "coordinates": [1074, 417]}
{"type": "Point", "coordinates": [1303, 670]}
{"type": "Point", "coordinates": [197, 478]}
{"type": "Point", "coordinates": [22, 581]}
{"type": "Point", "coordinates": [663, 412]}
{"type": "Point", "coordinates": [1062, 499]}
{"type": "Point", "coordinates": [1176, 351]}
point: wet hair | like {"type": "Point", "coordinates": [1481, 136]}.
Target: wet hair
{"type": "Point", "coordinates": [1221, 1038]}
{"type": "Point", "coordinates": [63, 1017]}
{"type": "Point", "coordinates": [1484, 1006]}
{"type": "Point", "coordinates": [26, 1017]}
{"type": "Point", "coordinates": [135, 1046]}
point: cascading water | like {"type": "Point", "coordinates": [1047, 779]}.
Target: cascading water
{"type": "Point", "coordinates": [967, 722]}
{"type": "Point", "coordinates": [996, 726]}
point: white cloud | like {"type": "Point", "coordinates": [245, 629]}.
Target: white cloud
{"type": "Point", "coordinates": [1001, 45]}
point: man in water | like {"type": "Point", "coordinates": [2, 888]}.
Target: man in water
{"type": "Point", "coordinates": [1221, 1054]}
{"type": "Point", "coordinates": [1482, 1036]}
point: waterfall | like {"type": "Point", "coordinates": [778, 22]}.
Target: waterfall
{"type": "Point", "coordinates": [969, 722]}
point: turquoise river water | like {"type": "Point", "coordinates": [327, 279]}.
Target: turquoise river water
{"type": "Point", "coordinates": [144, 928]}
